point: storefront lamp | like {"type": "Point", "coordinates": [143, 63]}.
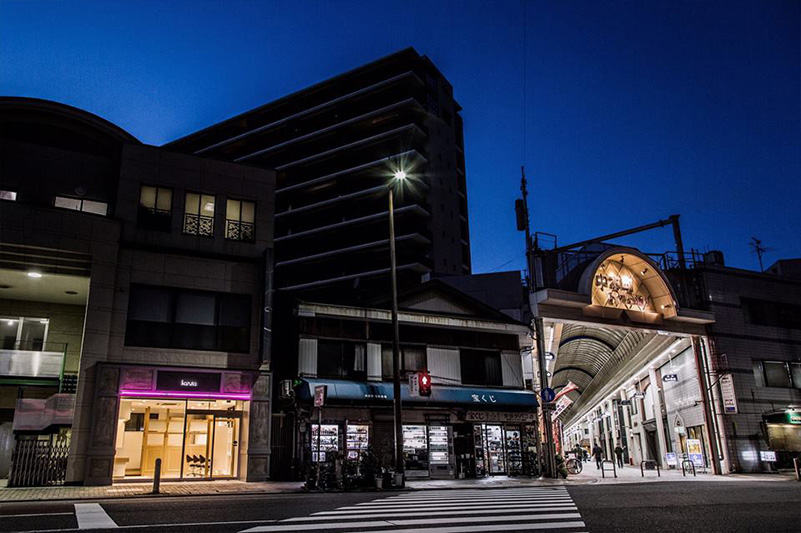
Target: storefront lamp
{"type": "Point", "coordinates": [34, 275]}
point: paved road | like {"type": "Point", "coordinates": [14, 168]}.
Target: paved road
{"type": "Point", "coordinates": [653, 507]}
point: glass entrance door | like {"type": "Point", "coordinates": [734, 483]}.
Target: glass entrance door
{"type": "Point", "coordinates": [496, 458]}
{"type": "Point", "coordinates": [225, 448]}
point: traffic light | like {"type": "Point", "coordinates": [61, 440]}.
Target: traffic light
{"type": "Point", "coordinates": [424, 383]}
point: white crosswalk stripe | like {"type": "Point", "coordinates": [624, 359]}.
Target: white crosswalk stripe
{"type": "Point", "coordinates": [446, 511]}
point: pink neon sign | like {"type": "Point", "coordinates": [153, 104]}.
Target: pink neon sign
{"type": "Point", "coordinates": [216, 395]}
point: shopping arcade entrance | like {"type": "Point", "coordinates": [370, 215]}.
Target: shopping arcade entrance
{"type": "Point", "coordinates": [613, 330]}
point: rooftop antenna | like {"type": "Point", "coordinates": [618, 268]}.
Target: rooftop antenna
{"type": "Point", "coordinates": [759, 250]}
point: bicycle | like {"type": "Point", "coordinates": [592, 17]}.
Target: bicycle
{"type": "Point", "coordinates": [574, 466]}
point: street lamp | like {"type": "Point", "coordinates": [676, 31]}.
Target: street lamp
{"type": "Point", "coordinates": [399, 178]}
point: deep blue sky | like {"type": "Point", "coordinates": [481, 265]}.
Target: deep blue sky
{"type": "Point", "coordinates": [634, 110]}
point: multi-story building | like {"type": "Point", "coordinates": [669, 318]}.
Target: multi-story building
{"type": "Point", "coordinates": [335, 147]}
{"type": "Point", "coordinates": [478, 420]}
{"type": "Point", "coordinates": [757, 336]}
{"type": "Point", "coordinates": [135, 288]}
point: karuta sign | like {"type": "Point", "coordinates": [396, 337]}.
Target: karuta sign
{"type": "Point", "coordinates": [495, 416]}
{"type": "Point", "coordinates": [169, 380]}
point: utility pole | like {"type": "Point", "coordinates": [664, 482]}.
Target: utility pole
{"type": "Point", "coordinates": [545, 455]}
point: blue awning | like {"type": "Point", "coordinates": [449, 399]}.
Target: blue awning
{"type": "Point", "coordinates": [377, 393]}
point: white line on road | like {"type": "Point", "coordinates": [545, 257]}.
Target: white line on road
{"type": "Point", "coordinates": [351, 515]}
{"type": "Point", "coordinates": [33, 514]}
{"type": "Point", "coordinates": [498, 527]}
{"type": "Point", "coordinates": [426, 521]}
{"type": "Point", "coordinates": [92, 516]}
{"type": "Point", "coordinates": [436, 506]}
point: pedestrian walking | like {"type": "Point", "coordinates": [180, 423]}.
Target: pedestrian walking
{"type": "Point", "coordinates": [598, 454]}
{"type": "Point", "coordinates": [619, 456]}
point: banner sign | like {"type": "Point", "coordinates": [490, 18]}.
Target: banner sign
{"type": "Point", "coordinates": [319, 395]}
{"type": "Point", "coordinates": [570, 387]}
{"type": "Point", "coordinates": [727, 392]}
{"type": "Point", "coordinates": [498, 416]}
{"type": "Point", "coordinates": [563, 403]}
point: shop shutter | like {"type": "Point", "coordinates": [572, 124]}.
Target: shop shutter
{"type": "Point", "coordinates": [307, 357]}
{"type": "Point", "coordinates": [444, 366]}
{"type": "Point", "coordinates": [512, 368]}
{"type": "Point", "coordinates": [373, 361]}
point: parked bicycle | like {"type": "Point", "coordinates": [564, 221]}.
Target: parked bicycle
{"type": "Point", "coordinates": [574, 466]}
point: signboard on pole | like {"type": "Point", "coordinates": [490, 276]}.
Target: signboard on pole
{"type": "Point", "coordinates": [319, 395]}
{"type": "Point", "coordinates": [694, 452]}
{"type": "Point", "coordinates": [547, 395]}
{"type": "Point", "coordinates": [414, 385]}
{"type": "Point", "coordinates": [728, 396]}
{"type": "Point", "coordinates": [767, 456]}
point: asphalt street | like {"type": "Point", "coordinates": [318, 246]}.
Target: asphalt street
{"type": "Point", "coordinates": [650, 507]}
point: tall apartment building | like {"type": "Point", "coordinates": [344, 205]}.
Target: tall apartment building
{"type": "Point", "coordinates": [335, 147]}
{"type": "Point", "coordinates": [132, 288]}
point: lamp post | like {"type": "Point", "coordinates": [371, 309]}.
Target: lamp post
{"type": "Point", "coordinates": [399, 177]}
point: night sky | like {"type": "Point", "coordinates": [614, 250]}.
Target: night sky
{"type": "Point", "coordinates": [633, 110]}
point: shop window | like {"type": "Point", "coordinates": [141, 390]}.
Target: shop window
{"type": "Point", "coordinates": [795, 374]}
{"type": "Point", "coordinates": [759, 373]}
{"type": "Point", "coordinates": [199, 214]}
{"type": "Point", "coordinates": [10, 196]}
{"type": "Point", "coordinates": [162, 317]}
{"type": "Point", "coordinates": [23, 333]}
{"type": "Point", "coordinates": [155, 208]}
{"type": "Point", "coordinates": [341, 359]}
{"type": "Point", "coordinates": [79, 204]}
{"type": "Point", "coordinates": [481, 367]}
{"type": "Point", "coordinates": [413, 360]}
{"type": "Point", "coordinates": [240, 217]}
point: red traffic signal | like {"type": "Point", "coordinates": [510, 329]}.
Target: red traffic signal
{"type": "Point", "coordinates": [424, 383]}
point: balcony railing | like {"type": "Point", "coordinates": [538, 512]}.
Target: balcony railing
{"type": "Point", "coordinates": [198, 225]}
{"type": "Point", "coordinates": [236, 230]}
{"type": "Point", "coordinates": [33, 360]}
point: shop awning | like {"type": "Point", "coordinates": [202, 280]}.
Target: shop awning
{"type": "Point", "coordinates": [365, 392]}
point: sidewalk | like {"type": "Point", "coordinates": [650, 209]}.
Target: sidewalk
{"type": "Point", "coordinates": [589, 475]}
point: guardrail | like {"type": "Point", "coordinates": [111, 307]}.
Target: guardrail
{"type": "Point", "coordinates": [650, 465]}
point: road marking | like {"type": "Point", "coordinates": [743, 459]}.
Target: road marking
{"type": "Point", "coordinates": [336, 514]}
{"type": "Point", "coordinates": [494, 527]}
{"type": "Point", "coordinates": [34, 514]}
{"type": "Point", "coordinates": [161, 526]}
{"type": "Point", "coordinates": [436, 506]}
{"type": "Point", "coordinates": [92, 516]}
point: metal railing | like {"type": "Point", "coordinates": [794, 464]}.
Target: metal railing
{"type": "Point", "coordinates": [237, 230]}
{"type": "Point", "coordinates": [198, 225]}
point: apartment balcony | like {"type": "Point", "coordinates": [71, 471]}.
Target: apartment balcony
{"type": "Point", "coordinates": [33, 360]}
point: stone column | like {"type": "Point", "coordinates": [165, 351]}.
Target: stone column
{"type": "Point", "coordinates": [258, 435]}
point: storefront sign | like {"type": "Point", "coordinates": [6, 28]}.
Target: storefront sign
{"type": "Point", "coordinates": [639, 395]}
{"type": "Point", "coordinates": [695, 452]}
{"type": "Point", "coordinates": [168, 380]}
{"type": "Point", "coordinates": [319, 395]}
{"type": "Point", "coordinates": [768, 456]}
{"type": "Point", "coordinates": [625, 402]}
{"type": "Point", "coordinates": [794, 418]}
{"type": "Point", "coordinates": [414, 385]}
{"type": "Point", "coordinates": [495, 416]}
{"type": "Point", "coordinates": [668, 378]}
{"type": "Point", "coordinates": [562, 404]}
{"type": "Point", "coordinates": [671, 459]}
{"type": "Point", "coordinates": [727, 392]}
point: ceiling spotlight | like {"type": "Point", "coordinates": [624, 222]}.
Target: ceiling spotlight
{"type": "Point", "coordinates": [35, 275]}
{"type": "Point", "coordinates": [400, 175]}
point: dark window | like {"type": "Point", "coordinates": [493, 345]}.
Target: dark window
{"type": "Point", "coordinates": [773, 374]}
{"type": "Point", "coordinates": [481, 367]}
{"type": "Point", "coordinates": [155, 208]}
{"type": "Point", "coordinates": [341, 359]}
{"type": "Point", "coordinates": [768, 313]}
{"type": "Point", "coordinates": [162, 317]}
{"type": "Point", "coordinates": [413, 359]}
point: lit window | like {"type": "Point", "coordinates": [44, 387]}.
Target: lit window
{"type": "Point", "coordinates": [79, 204]}
{"type": "Point", "coordinates": [155, 208]}
{"type": "Point", "coordinates": [239, 219]}
{"type": "Point", "coordinates": [23, 333]}
{"type": "Point", "coordinates": [11, 196]}
{"type": "Point", "coordinates": [199, 214]}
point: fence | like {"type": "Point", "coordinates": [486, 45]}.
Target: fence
{"type": "Point", "coordinates": [38, 463]}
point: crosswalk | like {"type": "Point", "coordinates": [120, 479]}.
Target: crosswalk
{"type": "Point", "coordinates": [446, 511]}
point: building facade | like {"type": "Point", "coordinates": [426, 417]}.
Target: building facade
{"type": "Point", "coordinates": [335, 147]}
{"type": "Point", "coordinates": [479, 419]}
{"type": "Point", "coordinates": [135, 289]}
{"type": "Point", "coordinates": [757, 338]}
